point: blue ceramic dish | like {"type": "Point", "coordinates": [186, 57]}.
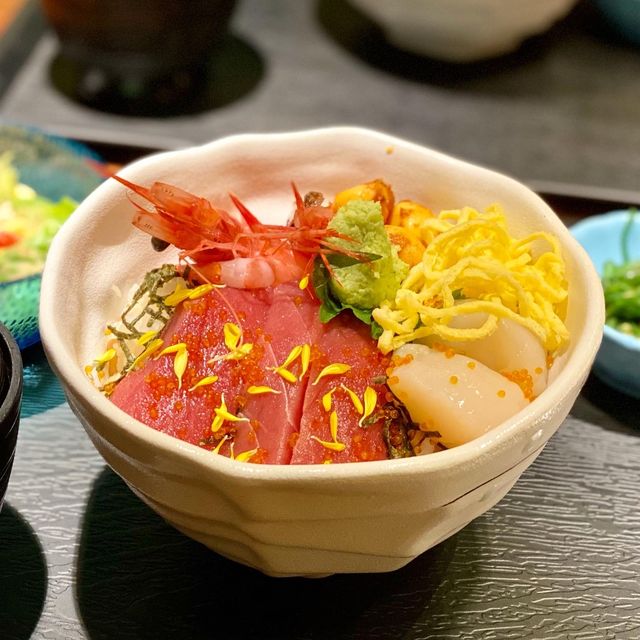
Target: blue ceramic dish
{"type": "Point", "coordinates": [54, 167]}
{"type": "Point", "coordinates": [10, 399]}
{"type": "Point", "coordinates": [624, 17]}
{"type": "Point", "coordinates": [618, 359]}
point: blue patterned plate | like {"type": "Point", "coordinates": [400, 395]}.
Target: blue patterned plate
{"type": "Point", "coordinates": [54, 167]}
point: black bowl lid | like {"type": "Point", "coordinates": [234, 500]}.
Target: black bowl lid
{"type": "Point", "coordinates": [10, 378]}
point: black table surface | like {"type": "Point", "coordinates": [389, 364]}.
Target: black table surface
{"type": "Point", "coordinates": [558, 557]}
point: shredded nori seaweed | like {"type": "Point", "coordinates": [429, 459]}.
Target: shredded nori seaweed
{"type": "Point", "coordinates": [154, 311]}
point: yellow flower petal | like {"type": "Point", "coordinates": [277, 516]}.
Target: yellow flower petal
{"type": "Point", "coordinates": [304, 283]}
{"type": "Point", "coordinates": [180, 365]}
{"type": "Point", "coordinates": [332, 370]}
{"type": "Point", "coordinates": [200, 291]}
{"type": "Point", "coordinates": [257, 390]}
{"type": "Point", "coordinates": [326, 400]}
{"type": "Point", "coordinates": [223, 413]}
{"type": "Point", "coordinates": [152, 347]}
{"type": "Point", "coordinates": [174, 348]}
{"type": "Point", "coordinates": [354, 398]}
{"type": "Point", "coordinates": [293, 354]}
{"type": "Point", "coordinates": [285, 374]}
{"type": "Point", "coordinates": [334, 446]}
{"type": "Point", "coordinates": [232, 335]}
{"type": "Point", "coordinates": [305, 358]}
{"type": "Point", "coordinates": [204, 381]}
{"type": "Point", "coordinates": [370, 401]}
{"type": "Point", "coordinates": [333, 426]}
{"type": "Point", "coordinates": [175, 298]}
{"type": "Point", "coordinates": [216, 423]}
{"type": "Point", "coordinates": [109, 354]}
{"type": "Point", "coordinates": [146, 337]}
{"type": "Point", "coordinates": [219, 445]}
{"type": "Point", "coordinates": [245, 456]}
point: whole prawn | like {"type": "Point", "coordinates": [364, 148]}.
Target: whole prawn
{"type": "Point", "coordinates": [236, 249]}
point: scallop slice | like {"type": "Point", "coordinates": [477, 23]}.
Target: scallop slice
{"type": "Point", "coordinates": [453, 394]}
{"type": "Point", "coordinates": [511, 348]}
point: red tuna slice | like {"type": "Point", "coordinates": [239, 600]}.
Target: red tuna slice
{"type": "Point", "coordinates": [344, 340]}
{"type": "Point", "coordinates": [291, 322]}
{"type": "Point", "coordinates": [151, 394]}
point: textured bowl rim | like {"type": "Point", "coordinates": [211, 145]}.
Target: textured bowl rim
{"type": "Point", "coordinates": [576, 368]}
{"type": "Point", "coordinates": [602, 220]}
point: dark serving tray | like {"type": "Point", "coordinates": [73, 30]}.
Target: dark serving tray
{"type": "Point", "coordinates": [82, 557]}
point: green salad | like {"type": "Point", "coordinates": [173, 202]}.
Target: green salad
{"type": "Point", "coordinates": [621, 284]}
{"type": "Point", "coordinates": [28, 222]}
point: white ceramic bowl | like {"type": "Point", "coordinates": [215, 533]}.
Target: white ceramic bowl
{"type": "Point", "coordinates": [463, 30]}
{"type": "Point", "coordinates": [301, 520]}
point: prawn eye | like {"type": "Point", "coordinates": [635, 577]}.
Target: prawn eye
{"type": "Point", "coordinates": [158, 244]}
{"type": "Point", "coordinates": [313, 199]}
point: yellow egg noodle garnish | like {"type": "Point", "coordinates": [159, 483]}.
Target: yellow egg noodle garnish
{"type": "Point", "coordinates": [473, 257]}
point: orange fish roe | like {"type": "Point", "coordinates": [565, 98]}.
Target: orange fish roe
{"type": "Point", "coordinates": [393, 380]}
{"type": "Point", "coordinates": [538, 370]}
{"type": "Point", "coordinates": [397, 361]}
{"type": "Point", "coordinates": [453, 379]}
{"type": "Point", "coordinates": [161, 385]}
{"type": "Point", "coordinates": [501, 393]}
{"type": "Point", "coordinates": [293, 439]}
{"type": "Point", "coordinates": [523, 379]}
{"type": "Point", "coordinates": [550, 360]}
{"type": "Point", "coordinates": [443, 348]}
{"type": "Point", "coordinates": [471, 364]}
{"type": "Point", "coordinates": [259, 457]}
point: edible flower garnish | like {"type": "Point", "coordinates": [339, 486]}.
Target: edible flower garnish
{"type": "Point", "coordinates": [354, 399]}
{"type": "Point", "coordinates": [233, 342]}
{"type": "Point", "coordinates": [207, 380]}
{"type": "Point", "coordinates": [245, 456]}
{"type": "Point", "coordinates": [109, 354]}
{"type": "Point", "coordinates": [151, 348]}
{"type": "Point", "coordinates": [302, 351]}
{"type": "Point", "coordinates": [219, 445]}
{"type": "Point", "coordinates": [305, 358]}
{"type": "Point", "coordinates": [256, 390]}
{"type": "Point", "coordinates": [326, 400]}
{"type": "Point", "coordinates": [370, 400]}
{"type": "Point", "coordinates": [334, 445]}
{"type": "Point", "coordinates": [180, 360]}
{"type": "Point", "coordinates": [334, 369]}
{"type": "Point", "coordinates": [222, 414]}
{"type": "Point", "coordinates": [146, 337]}
{"type": "Point", "coordinates": [183, 293]}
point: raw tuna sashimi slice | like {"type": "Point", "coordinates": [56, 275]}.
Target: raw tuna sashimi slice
{"type": "Point", "coordinates": [275, 418]}
{"type": "Point", "coordinates": [152, 393]}
{"type": "Point", "coordinates": [344, 340]}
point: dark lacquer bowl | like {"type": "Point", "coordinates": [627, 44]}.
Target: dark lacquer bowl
{"type": "Point", "coordinates": [10, 398]}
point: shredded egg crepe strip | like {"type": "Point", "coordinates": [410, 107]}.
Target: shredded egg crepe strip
{"type": "Point", "coordinates": [472, 264]}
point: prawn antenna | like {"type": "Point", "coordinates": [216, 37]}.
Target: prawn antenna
{"type": "Point", "coordinates": [249, 218]}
